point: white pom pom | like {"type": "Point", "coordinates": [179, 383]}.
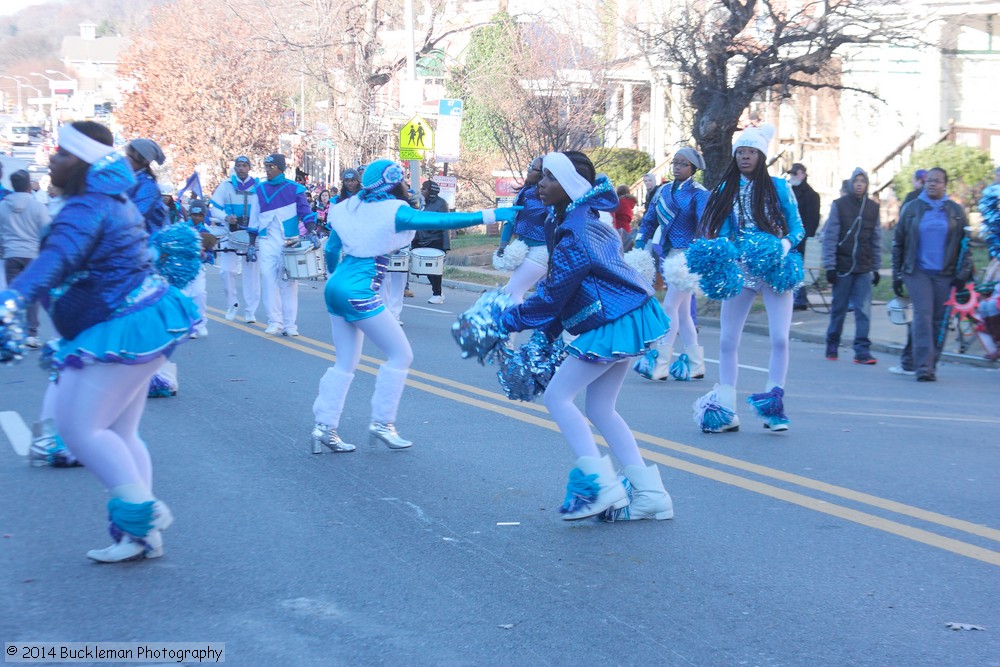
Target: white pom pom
{"type": "Point", "coordinates": [677, 275]}
{"type": "Point", "coordinates": [513, 256]}
{"type": "Point", "coordinates": [641, 261]}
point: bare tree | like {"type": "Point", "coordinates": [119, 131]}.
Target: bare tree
{"type": "Point", "coordinates": [728, 52]}
{"type": "Point", "coordinates": [201, 91]}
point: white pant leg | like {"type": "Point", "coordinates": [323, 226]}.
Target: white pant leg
{"type": "Point", "coordinates": [251, 288]}
{"type": "Point", "coordinates": [392, 291]}
{"type": "Point", "coordinates": [229, 266]}
{"type": "Point", "coordinates": [289, 290]}
{"type": "Point", "coordinates": [272, 269]}
{"type": "Point", "coordinates": [196, 290]}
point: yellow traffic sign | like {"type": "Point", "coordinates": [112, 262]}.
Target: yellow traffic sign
{"type": "Point", "coordinates": [416, 135]}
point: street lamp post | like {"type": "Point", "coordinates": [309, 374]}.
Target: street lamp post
{"type": "Point", "coordinates": [18, 114]}
{"type": "Point", "coordinates": [52, 98]}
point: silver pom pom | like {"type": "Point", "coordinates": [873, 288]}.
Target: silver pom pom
{"type": "Point", "coordinates": [478, 330]}
{"type": "Point", "coordinates": [12, 332]}
{"type": "Point", "coordinates": [525, 374]}
{"type": "Point", "coordinates": [641, 261]}
{"type": "Point", "coordinates": [513, 256]}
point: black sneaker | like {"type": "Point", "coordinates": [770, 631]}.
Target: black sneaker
{"type": "Point", "coordinates": [832, 354]}
{"type": "Point", "coordinates": [865, 359]}
{"type": "Point", "coordinates": [926, 377]}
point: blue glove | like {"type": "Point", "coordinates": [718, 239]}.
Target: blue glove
{"type": "Point", "coordinates": [507, 213]}
{"type": "Point", "coordinates": [252, 253]}
{"type": "Point", "coordinates": [640, 243]}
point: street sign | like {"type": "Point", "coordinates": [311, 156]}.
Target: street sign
{"type": "Point", "coordinates": [410, 154]}
{"type": "Point", "coordinates": [416, 135]}
{"type": "Point", "coordinates": [450, 108]}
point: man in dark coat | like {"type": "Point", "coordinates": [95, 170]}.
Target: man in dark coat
{"type": "Point", "coordinates": [852, 256]}
{"type": "Point", "coordinates": [808, 201]}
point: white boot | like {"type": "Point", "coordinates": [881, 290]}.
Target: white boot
{"type": "Point", "coordinates": [592, 488]}
{"type": "Point", "coordinates": [130, 548]}
{"type": "Point", "coordinates": [389, 384]}
{"type": "Point", "coordinates": [715, 412]}
{"type": "Point", "coordinates": [655, 364]}
{"type": "Point", "coordinates": [696, 358]}
{"type": "Point", "coordinates": [327, 408]}
{"type": "Point", "coordinates": [649, 500]}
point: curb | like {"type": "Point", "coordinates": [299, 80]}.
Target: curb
{"type": "Point", "coordinates": [762, 330]}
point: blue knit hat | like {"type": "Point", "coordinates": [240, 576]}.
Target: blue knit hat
{"type": "Point", "coordinates": [379, 178]}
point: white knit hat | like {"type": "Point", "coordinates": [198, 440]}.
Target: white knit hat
{"type": "Point", "coordinates": [755, 137]}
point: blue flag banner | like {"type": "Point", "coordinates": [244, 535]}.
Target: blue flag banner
{"type": "Point", "coordinates": [193, 184]}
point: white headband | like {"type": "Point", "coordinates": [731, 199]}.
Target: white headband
{"type": "Point", "coordinates": [563, 171]}
{"type": "Point", "coordinates": [79, 144]}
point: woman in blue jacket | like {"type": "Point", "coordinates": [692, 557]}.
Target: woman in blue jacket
{"type": "Point", "coordinates": [529, 226]}
{"type": "Point", "coordinates": [747, 203]}
{"type": "Point", "coordinates": [591, 291]}
{"type": "Point", "coordinates": [118, 320]}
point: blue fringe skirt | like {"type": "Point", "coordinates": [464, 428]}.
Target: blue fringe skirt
{"type": "Point", "coordinates": [628, 336]}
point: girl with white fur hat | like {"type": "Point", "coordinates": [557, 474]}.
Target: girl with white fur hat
{"type": "Point", "coordinates": [756, 213]}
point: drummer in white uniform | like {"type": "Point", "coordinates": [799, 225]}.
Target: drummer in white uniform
{"type": "Point", "coordinates": [230, 205]}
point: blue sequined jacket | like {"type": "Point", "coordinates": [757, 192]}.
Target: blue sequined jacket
{"type": "Point", "coordinates": [94, 254]}
{"type": "Point", "coordinates": [589, 284]}
{"type": "Point", "coordinates": [530, 222]}
{"type": "Point", "coordinates": [145, 194]}
{"type": "Point", "coordinates": [790, 208]}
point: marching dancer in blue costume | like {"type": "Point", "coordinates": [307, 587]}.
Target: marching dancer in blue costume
{"type": "Point", "coordinates": [756, 212]}
{"type": "Point", "coordinates": [366, 229]}
{"type": "Point", "coordinates": [118, 320]}
{"type": "Point", "coordinates": [529, 226]}
{"type": "Point", "coordinates": [145, 193]}
{"type": "Point", "coordinates": [676, 210]}
{"type": "Point", "coordinates": [591, 291]}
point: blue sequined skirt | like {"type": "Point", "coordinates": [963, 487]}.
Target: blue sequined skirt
{"type": "Point", "coordinates": [151, 325]}
{"type": "Point", "coordinates": [628, 336]}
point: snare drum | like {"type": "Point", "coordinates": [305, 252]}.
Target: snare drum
{"type": "Point", "coordinates": [303, 261]}
{"type": "Point", "coordinates": [427, 262]}
{"type": "Point", "coordinates": [240, 241]}
{"type": "Point", "coordinates": [399, 262]}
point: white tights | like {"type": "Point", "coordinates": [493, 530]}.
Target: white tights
{"type": "Point", "coordinates": [97, 413]}
{"type": "Point", "coordinates": [524, 278]}
{"type": "Point", "coordinates": [603, 381]}
{"type": "Point", "coordinates": [677, 306]}
{"type": "Point", "coordinates": [779, 323]}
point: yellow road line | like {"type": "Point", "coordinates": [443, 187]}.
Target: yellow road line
{"type": "Point", "coordinates": [919, 535]}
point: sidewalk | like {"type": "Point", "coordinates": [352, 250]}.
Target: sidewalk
{"type": "Point", "coordinates": [807, 325]}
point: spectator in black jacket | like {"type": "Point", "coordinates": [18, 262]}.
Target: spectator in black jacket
{"type": "Point", "coordinates": [808, 201]}
{"type": "Point", "coordinates": [919, 176]}
{"type": "Point", "coordinates": [852, 256]}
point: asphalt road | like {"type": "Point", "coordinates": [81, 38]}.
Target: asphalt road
{"type": "Point", "coordinates": [852, 539]}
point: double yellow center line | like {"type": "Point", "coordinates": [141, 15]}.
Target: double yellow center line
{"type": "Point", "coordinates": [536, 415]}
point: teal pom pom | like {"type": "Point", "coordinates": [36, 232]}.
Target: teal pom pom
{"type": "Point", "coordinates": [770, 405]}
{"type": "Point", "coordinates": [787, 275]}
{"type": "Point", "coordinates": [179, 258]}
{"type": "Point", "coordinates": [681, 369]}
{"type": "Point", "coordinates": [715, 261]}
{"type": "Point", "coordinates": [581, 491]}
{"type": "Point", "coordinates": [760, 253]}
{"type": "Point", "coordinates": [646, 364]}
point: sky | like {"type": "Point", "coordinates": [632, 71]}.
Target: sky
{"type": "Point", "coordinates": [13, 6]}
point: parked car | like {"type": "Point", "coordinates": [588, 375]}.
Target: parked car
{"type": "Point", "coordinates": [36, 131]}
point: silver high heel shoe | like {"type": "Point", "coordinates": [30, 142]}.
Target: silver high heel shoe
{"type": "Point", "coordinates": [387, 433]}
{"type": "Point", "coordinates": [326, 436]}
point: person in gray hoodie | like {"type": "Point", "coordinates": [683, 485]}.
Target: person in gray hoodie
{"type": "Point", "coordinates": [852, 256]}
{"type": "Point", "coordinates": [22, 219]}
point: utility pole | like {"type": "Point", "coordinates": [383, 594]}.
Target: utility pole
{"type": "Point", "coordinates": [411, 75]}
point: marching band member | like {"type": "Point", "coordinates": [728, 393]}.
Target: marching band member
{"type": "Point", "coordinates": [231, 204]}
{"type": "Point", "coordinates": [377, 222]}
{"type": "Point", "coordinates": [676, 209]}
{"type": "Point", "coordinates": [529, 226]}
{"type": "Point", "coordinates": [118, 320]}
{"type": "Point", "coordinates": [750, 204]}
{"type": "Point", "coordinates": [591, 291]}
{"type": "Point", "coordinates": [280, 205]}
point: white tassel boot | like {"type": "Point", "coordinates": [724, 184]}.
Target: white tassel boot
{"type": "Point", "coordinates": [327, 408]}
{"type": "Point", "coordinates": [593, 487]}
{"type": "Point", "coordinates": [715, 412]}
{"type": "Point", "coordinates": [389, 384]}
{"type": "Point", "coordinates": [649, 500]}
{"type": "Point", "coordinates": [655, 364]}
{"type": "Point", "coordinates": [696, 358]}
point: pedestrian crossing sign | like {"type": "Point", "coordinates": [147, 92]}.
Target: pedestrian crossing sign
{"type": "Point", "coordinates": [416, 135]}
